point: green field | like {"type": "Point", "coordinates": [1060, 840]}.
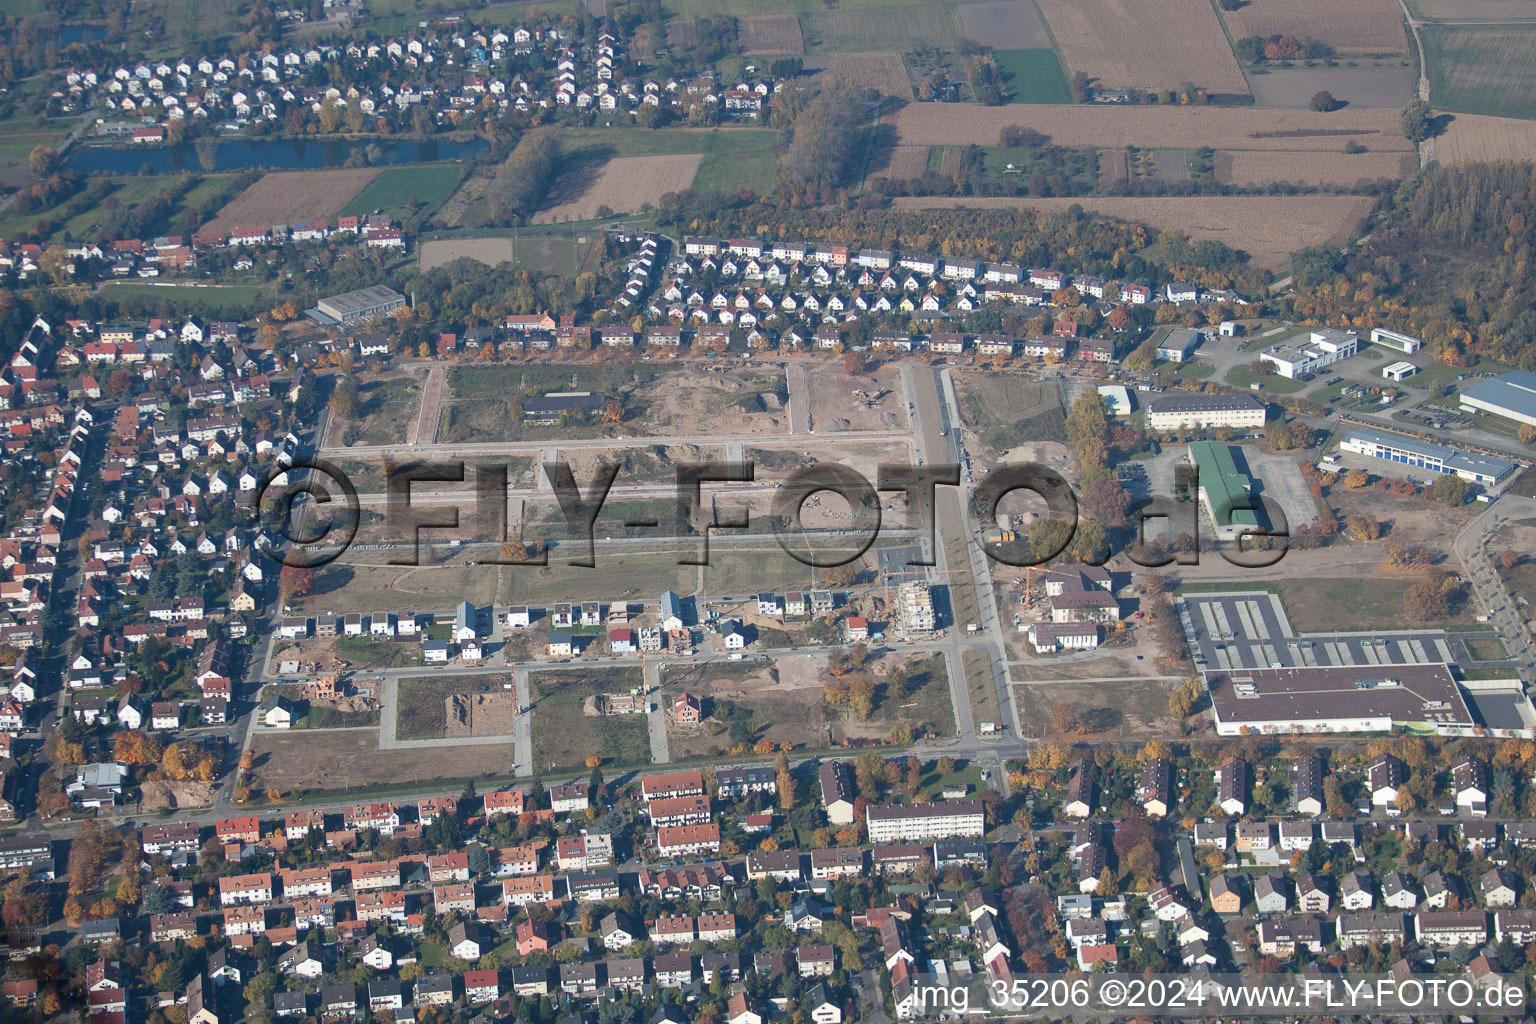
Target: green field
{"type": "Point", "coordinates": [1320, 605]}
{"type": "Point", "coordinates": [1243, 376]}
{"type": "Point", "coordinates": [1080, 165]}
{"type": "Point", "coordinates": [1033, 76]}
{"type": "Point", "coordinates": [733, 157]}
{"type": "Point", "coordinates": [804, 8]}
{"type": "Point", "coordinates": [87, 222]}
{"type": "Point", "coordinates": [1460, 11]}
{"type": "Point", "coordinates": [173, 25]}
{"type": "Point", "coordinates": [1482, 69]}
{"type": "Point", "coordinates": [896, 27]}
{"type": "Point", "coordinates": [564, 737]}
{"type": "Point", "coordinates": [222, 301]}
{"type": "Point", "coordinates": [406, 192]}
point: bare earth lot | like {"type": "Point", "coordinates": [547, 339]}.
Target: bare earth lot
{"type": "Point", "coordinates": [1269, 228]}
{"type": "Point", "coordinates": [1132, 709]}
{"type": "Point", "coordinates": [786, 705]}
{"type": "Point", "coordinates": [1125, 44]}
{"type": "Point", "coordinates": [1005, 25]}
{"type": "Point", "coordinates": [1248, 167]}
{"type": "Point", "coordinates": [291, 196]}
{"type": "Point", "coordinates": [490, 251]}
{"type": "Point", "coordinates": [625, 184]}
{"type": "Point", "coordinates": [1359, 87]}
{"type": "Point", "coordinates": [349, 759]}
{"type": "Point", "coordinates": [963, 124]}
{"type": "Point", "coordinates": [1361, 26]}
{"type": "Point", "coordinates": [836, 407]}
{"type": "Point", "coordinates": [771, 33]}
{"type": "Point", "coordinates": [883, 72]}
{"type": "Point", "coordinates": [1474, 137]}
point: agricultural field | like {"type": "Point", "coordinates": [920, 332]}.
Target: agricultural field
{"type": "Point", "coordinates": [771, 33]}
{"type": "Point", "coordinates": [1257, 169]}
{"type": "Point", "coordinates": [1033, 76]}
{"type": "Point", "coordinates": [960, 124]}
{"type": "Point", "coordinates": [621, 185]}
{"type": "Point", "coordinates": [1004, 25]}
{"type": "Point", "coordinates": [899, 162]}
{"type": "Point", "coordinates": [1360, 27]}
{"type": "Point", "coordinates": [1384, 86]}
{"type": "Point", "coordinates": [898, 28]}
{"type": "Point", "coordinates": [1268, 228]}
{"type": "Point", "coordinates": [883, 72]}
{"type": "Point", "coordinates": [564, 736]}
{"type": "Point", "coordinates": [733, 157]}
{"type": "Point", "coordinates": [1124, 45]}
{"type": "Point", "coordinates": [406, 192]}
{"type": "Point", "coordinates": [1502, 11]}
{"type": "Point", "coordinates": [1482, 69]}
{"type": "Point", "coordinates": [287, 196]}
{"type": "Point", "coordinates": [1474, 137]}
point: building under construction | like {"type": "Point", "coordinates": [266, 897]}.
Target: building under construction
{"type": "Point", "coordinates": [914, 603]}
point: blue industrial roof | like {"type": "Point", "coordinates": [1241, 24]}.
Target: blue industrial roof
{"type": "Point", "coordinates": [1515, 391]}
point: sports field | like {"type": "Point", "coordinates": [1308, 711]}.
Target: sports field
{"type": "Point", "coordinates": [1482, 69]}
{"type": "Point", "coordinates": [404, 192]}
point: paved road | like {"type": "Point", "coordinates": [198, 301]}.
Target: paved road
{"type": "Point", "coordinates": [656, 719]}
{"type": "Point", "coordinates": [428, 416]}
{"type": "Point", "coordinates": [799, 398]}
{"type": "Point", "coordinates": [937, 439]}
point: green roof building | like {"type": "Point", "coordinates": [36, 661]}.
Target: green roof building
{"type": "Point", "coordinates": [1228, 494]}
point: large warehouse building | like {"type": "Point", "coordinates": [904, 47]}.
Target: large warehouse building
{"type": "Point", "coordinates": [1361, 698]}
{"type": "Point", "coordinates": [363, 304]}
{"type": "Point", "coordinates": [1511, 395]}
{"type": "Point", "coordinates": [1230, 498]}
{"type": "Point", "coordinates": [1189, 411]}
{"type": "Point", "coordinates": [1409, 451]}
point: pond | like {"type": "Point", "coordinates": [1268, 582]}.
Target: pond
{"type": "Point", "coordinates": [209, 155]}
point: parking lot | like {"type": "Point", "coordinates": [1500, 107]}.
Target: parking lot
{"type": "Point", "coordinates": [1237, 631]}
